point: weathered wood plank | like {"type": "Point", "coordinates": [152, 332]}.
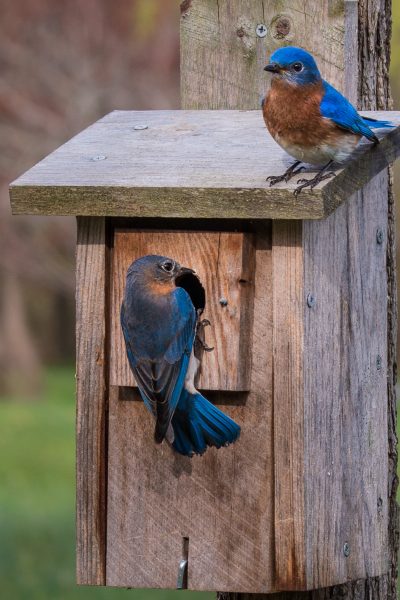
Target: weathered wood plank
{"type": "Point", "coordinates": [222, 501]}
{"type": "Point", "coordinates": [224, 262]}
{"type": "Point", "coordinates": [289, 403]}
{"type": "Point", "coordinates": [91, 392]}
{"type": "Point", "coordinates": [190, 164]}
{"type": "Point", "coordinates": [345, 391]}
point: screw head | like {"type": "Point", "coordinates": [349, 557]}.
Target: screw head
{"type": "Point", "coordinates": [311, 300]}
{"type": "Point", "coordinates": [99, 157]}
{"type": "Point", "coordinates": [140, 127]}
{"type": "Point", "coordinates": [379, 236]}
{"type": "Point", "coordinates": [223, 302]}
{"type": "Point", "coordinates": [346, 549]}
{"type": "Point", "coordinates": [261, 30]}
{"type": "Point", "coordinates": [379, 362]}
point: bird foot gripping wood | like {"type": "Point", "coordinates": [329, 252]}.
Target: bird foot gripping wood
{"type": "Point", "coordinates": [287, 175]}
{"type": "Point", "coordinates": [200, 337]}
{"type": "Point", "coordinates": [311, 183]}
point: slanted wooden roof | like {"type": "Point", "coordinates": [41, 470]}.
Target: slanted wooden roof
{"type": "Point", "coordinates": [187, 164]}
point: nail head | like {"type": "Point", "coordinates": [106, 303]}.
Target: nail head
{"type": "Point", "coordinates": [346, 549]}
{"type": "Point", "coordinates": [379, 236]}
{"type": "Point", "coordinates": [311, 300]}
{"type": "Point", "coordinates": [99, 157]}
{"type": "Point", "coordinates": [223, 302]}
{"type": "Point", "coordinates": [140, 127]}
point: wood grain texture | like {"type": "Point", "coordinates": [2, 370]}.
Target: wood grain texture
{"type": "Point", "coordinates": [222, 501]}
{"type": "Point", "coordinates": [345, 391]}
{"type": "Point", "coordinates": [222, 58]}
{"type": "Point", "coordinates": [91, 392]}
{"type": "Point", "coordinates": [190, 164]}
{"type": "Point", "coordinates": [289, 404]}
{"type": "Point", "coordinates": [224, 262]}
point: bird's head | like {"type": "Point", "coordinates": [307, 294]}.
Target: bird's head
{"type": "Point", "coordinates": [157, 268]}
{"type": "Point", "coordinates": [160, 275]}
{"type": "Point", "coordinates": [293, 65]}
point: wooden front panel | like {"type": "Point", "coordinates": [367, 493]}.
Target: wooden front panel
{"type": "Point", "coordinates": [222, 501]}
{"type": "Point", "coordinates": [224, 262]}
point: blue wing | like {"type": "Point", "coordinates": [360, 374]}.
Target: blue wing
{"type": "Point", "coordinates": [336, 107]}
{"type": "Point", "coordinates": [161, 380]}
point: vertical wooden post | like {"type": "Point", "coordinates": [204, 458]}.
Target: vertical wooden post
{"type": "Point", "coordinates": [92, 271]}
{"type": "Point", "coordinates": [221, 67]}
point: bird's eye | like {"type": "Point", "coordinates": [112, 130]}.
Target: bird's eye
{"type": "Point", "coordinates": [167, 266]}
{"type": "Point", "coordinates": [297, 66]}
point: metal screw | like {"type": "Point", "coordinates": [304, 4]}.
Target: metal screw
{"type": "Point", "coordinates": [311, 301]}
{"type": "Point", "coordinates": [261, 30]}
{"type": "Point", "coordinates": [99, 157]}
{"type": "Point", "coordinates": [379, 236]}
{"type": "Point", "coordinates": [379, 505]}
{"type": "Point", "coordinates": [379, 362]}
{"type": "Point", "coordinates": [140, 127]}
{"type": "Point", "coordinates": [223, 302]}
{"type": "Point", "coordinates": [346, 549]}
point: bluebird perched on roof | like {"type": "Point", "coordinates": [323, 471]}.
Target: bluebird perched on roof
{"type": "Point", "coordinates": [309, 118]}
{"type": "Point", "coordinates": [160, 321]}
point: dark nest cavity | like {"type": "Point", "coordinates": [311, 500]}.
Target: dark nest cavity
{"type": "Point", "coordinates": [192, 284]}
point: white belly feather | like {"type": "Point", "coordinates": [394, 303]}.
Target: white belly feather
{"type": "Point", "coordinates": [191, 373]}
{"type": "Point", "coordinates": [323, 153]}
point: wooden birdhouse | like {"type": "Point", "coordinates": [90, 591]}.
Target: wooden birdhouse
{"type": "Point", "coordinates": [296, 295]}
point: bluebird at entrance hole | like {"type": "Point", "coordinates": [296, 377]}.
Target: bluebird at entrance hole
{"type": "Point", "coordinates": [160, 318]}
{"type": "Point", "coordinates": [309, 118]}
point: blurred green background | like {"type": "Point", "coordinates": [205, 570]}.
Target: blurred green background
{"type": "Point", "coordinates": [63, 65]}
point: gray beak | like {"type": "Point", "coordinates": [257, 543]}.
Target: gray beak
{"type": "Point", "coordinates": [272, 68]}
{"type": "Point", "coordinates": [185, 271]}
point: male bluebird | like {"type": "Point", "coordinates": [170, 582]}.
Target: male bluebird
{"type": "Point", "coordinates": [159, 319]}
{"type": "Point", "coordinates": [309, 118]}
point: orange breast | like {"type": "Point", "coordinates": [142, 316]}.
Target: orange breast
{"type": "Point", "coordinates": [292, 112]}
{"type": "Point", "coordinates": [160, 288]}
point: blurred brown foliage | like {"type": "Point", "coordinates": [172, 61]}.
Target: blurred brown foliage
{"type": "Point", "coordinates": [62, 66]}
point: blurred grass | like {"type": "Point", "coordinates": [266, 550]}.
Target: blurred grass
{"type": "Point", "coordinates": [37, 497]}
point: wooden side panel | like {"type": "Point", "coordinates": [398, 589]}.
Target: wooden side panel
{"type": "Point", "coordinates": [224, 262]}
{"type": "Point", "coordinates": [221, 501]}
{"type": "Point", "coordinates": [91, 390]}
{"type": "Point", "coordinates": [345, 383]}
{"type": "Point", "coordinates": [288, 347]}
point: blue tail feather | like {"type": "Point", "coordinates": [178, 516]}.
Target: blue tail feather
{"type": "Point", "coordinates": [197, 423]}
{"type": "Point", "coordinates": [376, 124]}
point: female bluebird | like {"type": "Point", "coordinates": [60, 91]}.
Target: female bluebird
{"type": "Point", "coordinates": [311, 120]}
{"type": "Point", "coordinates": [159, 319]}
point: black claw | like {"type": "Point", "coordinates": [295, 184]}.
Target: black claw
{"type": "Point", "coordinates": [274, 179]}
{"type": "Point", "coordinates": [207, 348]}
{"type": "Point", "coordinates": [311, 183]}
{"type": "Point", "coordinates": [205, 323]}
{"type": "Point", "coordinates": [288, 174]}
